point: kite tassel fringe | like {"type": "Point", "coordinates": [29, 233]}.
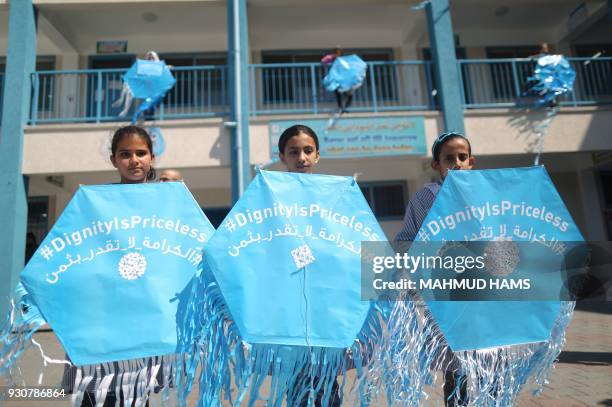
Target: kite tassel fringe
{"type": "Point", "coordinates": [486, 377]}
{"type": "Point", "coordinates": [125, 99]}
{"type": "Point", "coordinates": [294, 374]}
{"type": "Point", "coordinates": [147, 104]}
{"type": "Point", "coordinates": [131, 381]}
{"type": "Point", "coordinates": [22, 320]}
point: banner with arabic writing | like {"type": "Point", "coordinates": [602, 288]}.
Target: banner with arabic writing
{"type": "Point", "coordinates": [361, 137]}
{"type": "Point", "coordinates": [109, 275]}
{"type": "Point", "coordinates": [514, 204]}
{"type": "Point", "coordinates": [287, 259]}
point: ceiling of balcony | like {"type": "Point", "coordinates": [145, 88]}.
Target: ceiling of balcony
{"type": "Point", "coordinates": [82, 23]}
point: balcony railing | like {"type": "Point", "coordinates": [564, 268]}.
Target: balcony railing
{"type": "Point", "coordinates": [298, 88]}
{"type": "Point", "coordinates": [90, 95]}
{"type": "Point", "coordinates": [201, 91]}
{"type": "Point", "coordinates": [490, 83]}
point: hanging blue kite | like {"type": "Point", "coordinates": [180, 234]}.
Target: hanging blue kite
{"type": "Point", "coordinates": [148, 80]}
{"type": "Point", "coordinates": [109, 277]}
{"type": "Point", "coordinates": [553, 76]}
{"type": "Point", "coordinates": [494, 347]}
{"type": "Point", "coordinates": [346, 74]}
{"type": "Point", "coordinates": [280, 293]}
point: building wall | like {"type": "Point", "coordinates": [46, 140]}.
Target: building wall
{"type": "Point", "coordinates": [206, 143]}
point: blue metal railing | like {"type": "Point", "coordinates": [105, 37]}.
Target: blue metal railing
{"type": "Point", "coordinates": [491, 83]}
{"type": "Point", "coordinates": [90, 95]}
{"type": "Point", "coordinates": [298, 88]}
{"type": "Point", "coordinates": [201, 91]}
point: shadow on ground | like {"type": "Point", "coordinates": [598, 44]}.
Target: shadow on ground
{"type": "Point", "coordinates": [600, 307]}
{"type": "Point", "coordinates": [586, 358]}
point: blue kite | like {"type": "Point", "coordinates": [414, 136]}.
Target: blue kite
{"type": "Point", "coordinates": [553, 76]}
{"type": "Point", "coordinates": [346, 74]}
{"type": "Point", "coordinates": [148, 80]}
{"type": "Point", "coordinates": [496, 347]}
{"type": "Point", "coordinates": [109, 278]}
{"type": "Point", "coordinates": [280, 294]}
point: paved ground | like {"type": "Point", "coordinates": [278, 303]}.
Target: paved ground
{"type": "Point", "coordinates": [583, 376]}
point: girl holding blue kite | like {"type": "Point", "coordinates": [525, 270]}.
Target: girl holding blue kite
{"type": "Point", "coordinates": [132, 156]}
{"type": "Point", "coordinates": [489, 351]}
{"type": "Point", "coordinates": [450, 151]}
{"type": "Point", "coordinates": [298, 148]}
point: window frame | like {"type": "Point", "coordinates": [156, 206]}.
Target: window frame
{"type": "Point", "coordinates": [370, 185]}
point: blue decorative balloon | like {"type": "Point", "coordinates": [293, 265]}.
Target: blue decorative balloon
{"type": "Point", "coordinates": [346, 74]}
{"type": "Point", "coordinates": [553, 76]}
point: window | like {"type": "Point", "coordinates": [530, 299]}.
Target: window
{"type": "Point", "coordinates": [290, 85]}
{"type": "Point", "coordinates": [38, 223]}
{"type": "Point", "coordinates": [459, 54]}
{"type": "Point", "coordinates": [502, 76]}
{"type": "Point", "coordinates": [387, 199]}
{"type": "Point", "coordinates": [46, 86]}
{"type": "Point", "coordinates": [594, 80]}
{"type": "Point", "coordinates": [606, 187]}
{"type": "Point", "coordinates": [199, 87]}
{"type": "Point", "coordinates": [103, 95]}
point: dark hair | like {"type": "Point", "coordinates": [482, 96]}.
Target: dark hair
{"type": "Point", "coordinates": [132, 130]}
{"type": "Point", "coordinates": [294, 131]}
{"type": "Point", "coordinates": [445, 138]}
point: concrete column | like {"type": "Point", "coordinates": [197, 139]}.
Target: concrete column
{"type": "Point", "coordinates": [20, 64]}
{"type": "Point", "coordinates": [442, 45]}
{"type": "Point", "coordinates": [238, 72]}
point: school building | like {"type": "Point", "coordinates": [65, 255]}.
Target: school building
{"type": "Point", "coordinates": [245, 69]}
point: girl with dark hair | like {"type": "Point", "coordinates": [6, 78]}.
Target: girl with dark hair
{"type": "Point", "coordinates": [298, 149]}
{"type": "Point", "coordinates": [132, 155]}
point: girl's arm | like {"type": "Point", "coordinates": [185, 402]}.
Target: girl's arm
{"type": "Point", "coordinates": [328, 59]}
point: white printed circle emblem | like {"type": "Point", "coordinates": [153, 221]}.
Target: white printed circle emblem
{"type": "Point", "coordinates": [132, 266]}
{"type": "Point", "coordinates": [302, 256]}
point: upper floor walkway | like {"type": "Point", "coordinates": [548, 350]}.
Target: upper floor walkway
{"type": "Point", "coordinates": [81, 96]}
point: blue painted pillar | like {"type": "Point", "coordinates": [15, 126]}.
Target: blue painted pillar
{"type": "Point", "coordinates": [238, 72]}
{"type": "Point", "coordinates": [442, 45]}
{"type": "Point", "coordinates": [20, 63]}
